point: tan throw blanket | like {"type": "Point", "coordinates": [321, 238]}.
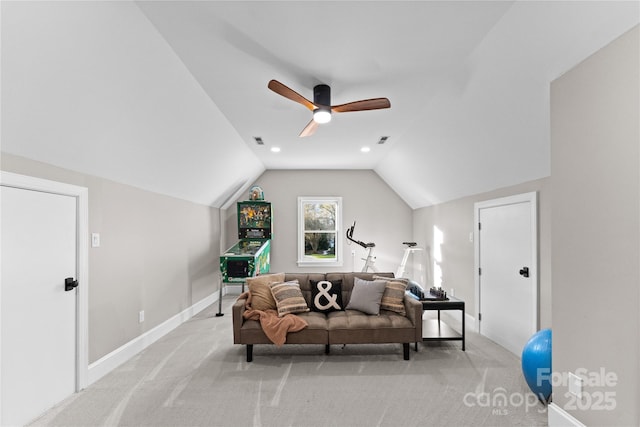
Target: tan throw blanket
{"type": "Point", "coordinates": [274, 327]}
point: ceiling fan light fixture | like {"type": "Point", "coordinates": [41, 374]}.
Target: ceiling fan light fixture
{"type": "Point", "coordinates": [321, 115]}
{"type": "Point", "coordinates": [321, 105]}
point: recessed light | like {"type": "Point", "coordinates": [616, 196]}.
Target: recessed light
{"type": "Point", "coordinates": [275, 149]}
{"type": "Point", "coordinates": [365, 149]}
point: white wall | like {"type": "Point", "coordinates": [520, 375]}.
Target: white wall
{"type": "Point", "coordinates": [595, 160]}
{"type": "Point", "coordinates": [382, 216]}
{"type": "Point", "coordinates": [92, 86]}
{"type": "Point", "coordinates": [157, 253]}
{"type": "Point", "coordinates": [94, 92]}
{"type": "Point", "coordinates": [455, 220]}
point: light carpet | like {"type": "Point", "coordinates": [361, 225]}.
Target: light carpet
{"type": "Point", "coordinates": [196, 376]}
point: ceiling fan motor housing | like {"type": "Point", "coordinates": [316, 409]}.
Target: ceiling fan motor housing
{"type": "Point", "coordinates": [322, 99]}
{"type": "Point", "coordinates": [322, 95]}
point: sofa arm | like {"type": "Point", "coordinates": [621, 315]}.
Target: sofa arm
{"type": "Point", "coordinates": [414, 311]}
{"type": "Point", "coordinates": [237, 310]}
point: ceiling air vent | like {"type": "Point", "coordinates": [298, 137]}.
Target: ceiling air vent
{"type": "Point", "coordinates": [383, 139]}
{"type": "Point", "coordinates": [259, 140]}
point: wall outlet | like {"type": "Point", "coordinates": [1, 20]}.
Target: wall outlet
{"type": "Point", "coordinates": [575, 385]}
{"type": "Point", "coordinates": [95, 240]}
{"type": "Point", "coordinates": [141, 316]}
{"type": "Point", "coordinates": [452, 293]}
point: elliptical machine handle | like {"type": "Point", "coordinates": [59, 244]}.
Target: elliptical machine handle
{"type": "Point", "coordinates": [350, 237]}
{"type": "Point", "coordinates": [350, 231]}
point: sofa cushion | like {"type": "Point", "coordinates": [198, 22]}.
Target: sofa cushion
{"type": "Point", "coordinates": [355, 327]}
{"type": "Point", "coordinates": [288, 298]}
{"type": "Point", "coordinates": [326, 296]}
{"type": "Point", "coordinates": [261, 298]}
{"type": "Point", "coordinates": [366, 295]}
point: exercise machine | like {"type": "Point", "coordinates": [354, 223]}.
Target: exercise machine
{"type": "Point", "coordinates": [410, 248]}
{"type": "Point", "coordinates": [370, 260]}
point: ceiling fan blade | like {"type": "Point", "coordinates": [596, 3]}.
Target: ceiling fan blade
{"type": "Point", "coordinates": [365, 104]}
{"type": "Point", "coordinates": [309, 129]}
{"type": "Point", "coordinates": [289, 93]}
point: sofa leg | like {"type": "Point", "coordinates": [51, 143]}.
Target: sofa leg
{"type": "Point", "coordinates": [249, 352]}
{"type": "Point", "coordinates": [327, 349]}
{"type": "Point", "coordinates": [405, 347]}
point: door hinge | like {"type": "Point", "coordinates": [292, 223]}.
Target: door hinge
{"type": "Point", "coordinates": [479, 316]}
{"type": "Point", "coordinates": [479, 271]}
{"type": "Point", "coordinates": [479, 226]}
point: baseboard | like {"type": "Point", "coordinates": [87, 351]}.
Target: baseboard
{"type": "Point", "coordinates": [111, 361]}
{"type": "Point", "coordinates": [558, 417]}
{"type": "Point", "coordinates": [470, 322]}
{"type": "Point", "coordinates": [233, 288]}
{"type": "Point", "coordinates": [452, 318]}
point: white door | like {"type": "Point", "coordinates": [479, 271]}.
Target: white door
{"type": "Point", "coordinates": [507, 270]}
{"type": "Point", "coordinates": [38, 340]}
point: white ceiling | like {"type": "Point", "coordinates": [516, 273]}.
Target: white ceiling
{"type": "Point", "coordinates": [168, 96]}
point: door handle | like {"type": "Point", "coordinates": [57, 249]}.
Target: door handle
{"type": "Point", "coordinates": [70, 284]}
{"type": "Point", "coordinates": [524, 271]}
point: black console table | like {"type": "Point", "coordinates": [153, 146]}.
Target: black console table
{"type": "Point", "coordinates": [434, 329]}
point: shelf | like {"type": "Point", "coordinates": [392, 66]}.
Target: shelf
{"type": "Point", "coordinates": [433, 330]}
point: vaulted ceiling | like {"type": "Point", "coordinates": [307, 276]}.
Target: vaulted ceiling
{"type": "Point", "coordinates": [169, 96]}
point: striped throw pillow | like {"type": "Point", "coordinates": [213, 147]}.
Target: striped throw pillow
{"type": "Point", "coordinates": [288, 297]}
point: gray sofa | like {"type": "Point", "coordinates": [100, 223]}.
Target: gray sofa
{"type": "Point", "coordinates": [337, 327]}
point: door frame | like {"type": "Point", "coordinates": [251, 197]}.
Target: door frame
{"type": "Point", "coordinates": [532, 199]}
{"type": "Point", "coordinates": [81, 194]}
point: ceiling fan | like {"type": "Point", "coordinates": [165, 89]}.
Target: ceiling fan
{"type": "Point", "coordinates": [321, 105]}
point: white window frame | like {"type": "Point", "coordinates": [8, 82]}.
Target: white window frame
{"type": "Point", "coordinates": [308, 261]}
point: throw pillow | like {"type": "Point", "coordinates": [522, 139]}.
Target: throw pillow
{"type": "Point", "coordinates": [261, 298]}
{"type": "Point", "coordinates": [326, 296]}
{"type": "Point", "coordinates": [393, 297]}
{"type": "Point", "coordinates": [386, 279]}
{"type": "Point", "coordinates": [288, 298]}
{"type": "Point", "coordinates": [366, 295]}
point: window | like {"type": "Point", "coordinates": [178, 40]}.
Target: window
{"type": "Point", "coordinates": [319, 225]}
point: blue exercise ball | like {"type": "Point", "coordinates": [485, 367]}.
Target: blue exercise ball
{"type": "Point", "coordinates": [536, 364]}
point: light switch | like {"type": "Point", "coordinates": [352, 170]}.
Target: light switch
{"type": "Point", "coordinates": [95, 240]}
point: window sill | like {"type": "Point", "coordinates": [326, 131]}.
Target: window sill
{"type": "Point", "coordinates": [319, 264]}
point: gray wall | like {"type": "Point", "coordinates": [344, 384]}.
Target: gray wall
{"type": "Point", "coordinates": [158, 254]}
{"type": "Point", "coordinates": [595, 160]}
{"type": "Point", "coordinates": [455, 219]}
{"type": "Point", "coordinates": [382, 216]}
